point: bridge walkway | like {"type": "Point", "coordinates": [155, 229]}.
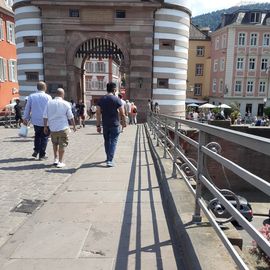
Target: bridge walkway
{"type": "Point", "coordinates": [91, 216]}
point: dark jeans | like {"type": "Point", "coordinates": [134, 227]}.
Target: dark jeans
{"type": "Point", "coordinates": [41, 141]}
{"type": "Point", "coordinates": [110, 135]}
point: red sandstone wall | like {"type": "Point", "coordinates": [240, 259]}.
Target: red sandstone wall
{"type": "Point", "coordinates": [7, 51]}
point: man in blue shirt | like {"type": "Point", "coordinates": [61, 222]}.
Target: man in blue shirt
{"type": "Point", "coordinates": [110, 107]}
{"type": "Point", "coordinates": [34, 109]}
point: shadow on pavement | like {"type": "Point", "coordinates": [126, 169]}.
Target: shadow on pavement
{"type": "Point", "coordinates": [10, 160]}
{"type": "Point", "coordinates": [123, 252]}
{"type": "Point", "coordinates": [24, 167]}
{"type": "Point", "coordinates": [92, 134]}
{"type": "Point", "coordinates": [61, 170]}
{"type": "Point", "coordinates": [182, 244]}
{"type": "Point", "coordinates": [93, 165]}
{"type": "Point", "coordinates": [19, 141]}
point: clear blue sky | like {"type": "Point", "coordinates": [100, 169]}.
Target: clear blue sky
{"type": "Point", "coordinates": [200, 7]}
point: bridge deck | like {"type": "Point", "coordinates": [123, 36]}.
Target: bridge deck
{"type": "Point", "coordinates": [93, 217]}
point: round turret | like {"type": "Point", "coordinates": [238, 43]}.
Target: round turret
{"type": "Point", "coordinates": [29, 46]}
{"type": "Point", "coordinates": [171, 35]}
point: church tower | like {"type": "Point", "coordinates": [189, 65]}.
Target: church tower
{"type": "Point", "coordinates": [171, 41]}
{"type": "Point", "coordinates": [29, 46]}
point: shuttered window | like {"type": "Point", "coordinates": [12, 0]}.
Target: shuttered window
{"type": "Point", "coordinates": [10, 32]}
{"type": "Point", "coordinates": [12, 70]}
{"type": "Point", "coordinates": [1, 29]}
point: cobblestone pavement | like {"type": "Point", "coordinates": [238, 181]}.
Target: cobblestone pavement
{"type": "Point", "coordinates": [23, 177]}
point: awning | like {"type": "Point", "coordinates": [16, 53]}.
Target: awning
{"type": "Point", "coordinates": [197, 101]}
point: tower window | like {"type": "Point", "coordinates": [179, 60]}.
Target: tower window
{"type": "Point", "coordinates": [30, 41]}
{"type": "Point", "coordinates": [120, 14]}
{"type": "Point", "coordinates": [162, 83]}
{"type": "Point", "coordinates": [166, 44]}
{"type": "Point", "coordinates": [75, 13]}
{"type": "Point", "coordinates": [32, 76]}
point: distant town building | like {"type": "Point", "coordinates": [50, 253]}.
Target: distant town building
{"type": "Point", "coordinates": [241, 61]}
{"type": "Point", "coordinates": [8, 63]}
{"type": "Point", "coordinates": [98, 72]}
{"type": "Point", "coordinates": [199, 64]}
{"type": "Point", "coordinates": [148, 38]}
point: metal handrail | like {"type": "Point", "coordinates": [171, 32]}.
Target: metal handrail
{"type": "Point", "coordinates": [172, 124]}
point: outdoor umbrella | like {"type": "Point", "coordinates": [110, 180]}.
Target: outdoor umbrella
{"type": "Point", "coordinates": [192, 105]}
{"type": "Point", "coordinates": [224, 106]}
{"type": "Point", "coordinates": [207, 106]}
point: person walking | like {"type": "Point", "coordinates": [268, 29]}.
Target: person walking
{"type": "Point", "coordinates": [109, 107]}
{"type": "Point", "coordinates": [123, 106]}
{"type": "Point", "coordinates": [56, 116]}
{"type": "Point", "coordinates": [150, 105]}
{"type": "Point", "coordinates": [18, 113]}
{"type": "Point", "coordinates": [156, 108]}
{"type": "Point", "coordinates": [93, 110]}
{"type": "Point", "coordinates": [81, 113]}
{"type": "Point", "coordinates": [128, 111]}
{"type": "Point", "coordinates": [134, 113]}
{"type": "Point", "coordinates": [34, 109]}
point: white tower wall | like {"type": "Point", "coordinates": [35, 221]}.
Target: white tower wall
{"type": "Point", "coordinates": [30, 55]}
{"type": "Point", "coordinates": [172, 24]}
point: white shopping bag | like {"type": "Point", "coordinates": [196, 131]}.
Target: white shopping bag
{"type": "Point", "coordinates": [23, 132]}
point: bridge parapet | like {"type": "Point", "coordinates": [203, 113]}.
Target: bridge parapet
{"type": "Point", "coordinates": [171, 133]}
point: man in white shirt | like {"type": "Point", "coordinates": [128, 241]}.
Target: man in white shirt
{"type": "Point", "coordinates": [57, 115]}
{"type": "Point", "coordinates": [34, 109]}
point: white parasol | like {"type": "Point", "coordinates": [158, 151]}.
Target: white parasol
{"type": "Point", "coordinates": [193, 105]}
{"type": "Point", "coordinates": [207, 106]}
{"type": "Point", "coordinates": [224, 106]}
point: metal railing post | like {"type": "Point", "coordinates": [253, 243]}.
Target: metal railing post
{"type": "Point", "coordinates": [158, 125]}
{"type": "Point", "coordinates": [197, 213]}
{"type": "Point", "coordinates": [151, 121]}
{"type": "Point", "coordinates": [155, 128]}
{"type": "Point", "coordinates": [176, 142]}
{"type": "Point", "coordinates": [148, 119]}
{"type": "Point", "coordinates": [152, 124]}
{"type": "Point", "coordinates": [165, 139]}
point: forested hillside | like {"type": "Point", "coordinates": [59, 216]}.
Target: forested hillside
{"type": "Point", "coordinates": [212, 19]}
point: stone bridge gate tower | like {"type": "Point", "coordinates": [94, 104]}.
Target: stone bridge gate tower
{"type": "Point", "coordinates": [149, 39]}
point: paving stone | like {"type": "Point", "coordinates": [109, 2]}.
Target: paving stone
{"type": "Point", "coordinates": [53, 240]}
{"type": "Point", "coordinates": [60, 264]}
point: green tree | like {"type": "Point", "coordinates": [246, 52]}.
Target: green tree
{"type": "Point", "coordinates": [267, 111]}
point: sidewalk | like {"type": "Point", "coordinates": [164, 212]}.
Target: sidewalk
{"type": "Point", "coordinates": [94, 217]}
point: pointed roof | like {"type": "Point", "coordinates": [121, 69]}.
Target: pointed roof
{"type": "Point", "coordinates": [195, 33]}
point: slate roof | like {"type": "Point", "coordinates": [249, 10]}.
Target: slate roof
{"type": "Point", "coordinates": [196, 33]}
{"type": "Point", "coordinates": [243, 17]}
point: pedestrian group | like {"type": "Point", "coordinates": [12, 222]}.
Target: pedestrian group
{"type": "Point", "coordinates": [52, 118]}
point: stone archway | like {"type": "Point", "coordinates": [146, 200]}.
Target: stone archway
{"type": "Point", "coordinates": [75, 40]}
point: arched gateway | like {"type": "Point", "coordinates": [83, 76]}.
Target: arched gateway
{"type": "Point", "coordinates": [146, 40]}
{"type": "Point", "coordinates": [100, 61]}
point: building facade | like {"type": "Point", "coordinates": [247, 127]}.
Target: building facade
{"type": "Point", "coordinates": [148, 38]}
{"type": "Point", "coordinates": [241, 61]}
{"type": "Point", "coordinates": [8, 59]}
{"type": "Point", "coordinates": [98, 72]}
{"type": "Point", "coordinates": [199, 64]}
